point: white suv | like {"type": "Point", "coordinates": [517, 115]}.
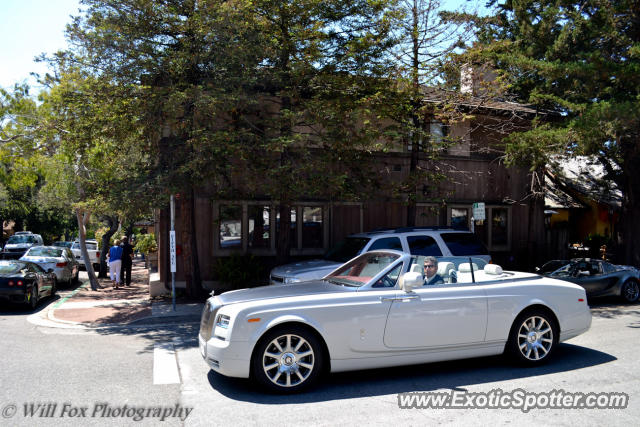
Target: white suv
{"type": "Point", "coordinates": [92, 248]}
{"type": "Point", "coordinates": [425, 241]}
{"type": "Point", "coordinates": [19, 243]}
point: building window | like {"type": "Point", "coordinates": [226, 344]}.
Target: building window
{"type": "Point", "coordinates": [312, 227]}
{"type": "Point", "coordinates": [230, 217]}
{"type": "Point", "coordinates": [459, 218]}
{"type": "Point", "coordinates": [259, 226]}
{"type": "Point", "coordinates": [494, 231]}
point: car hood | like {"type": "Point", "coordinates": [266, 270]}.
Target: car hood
{"type": "Point", "coordinates": [306, 269]}
{"type": "Point", "coordinates": [281, 291]}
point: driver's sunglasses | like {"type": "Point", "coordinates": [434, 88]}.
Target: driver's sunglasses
{"type": "Point", "coordinates": [429, 266]}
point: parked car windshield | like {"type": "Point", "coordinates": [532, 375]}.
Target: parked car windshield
{"type": "Point", "coordinates": [44, 252]}
{"type": "Point", "coordinates": [552, 266]}
{"type": "Point", "coordinates": [21, 239]}
{"type": "Point", "coordinates": [346, 249]}
{"type": "Point", "coordinates": [10, 267]}
{"type": "Point", "coordinates": [361, 270]}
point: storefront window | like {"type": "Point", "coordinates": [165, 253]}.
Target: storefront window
{"type": "Point", "coordinates": [459, 218]}
{"type": "Point", "coordinates": [499, 227]}
{"type": "Point", "coordinates": [312, 227]}
{"type": "Point", "coordinates": [259, 232]}
{"type": "Point", "coordinates": [230, 226]}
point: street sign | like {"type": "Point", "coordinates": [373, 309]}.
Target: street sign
{"type": "Point", "coordinates": [478, 211]}
{"type": "Point", "coordinates": [172, 250]}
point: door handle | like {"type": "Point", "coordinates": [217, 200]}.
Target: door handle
{"type": "Point", "coordinates": [404, 298]}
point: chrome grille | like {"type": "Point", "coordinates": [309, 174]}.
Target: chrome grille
{"type": "Point", "coordinates": [207, 319]}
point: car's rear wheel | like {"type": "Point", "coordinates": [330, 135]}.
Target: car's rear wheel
{"type": "Point", "coordinates": [287, 359]}
{"type": "Point", "coordinates": [33, 298]}
{"type": "Point", "coordinates": [533, 337]}
{"type": "Point", "coordinates": [630, 291]}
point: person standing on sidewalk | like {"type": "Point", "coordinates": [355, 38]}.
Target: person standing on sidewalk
{"type": "Point", "coordinates": [127, 262]}
{"type": "Point", "coordinates": [115, 263]}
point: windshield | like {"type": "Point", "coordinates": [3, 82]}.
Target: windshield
{"type": "Point", "coordinates": [21, 239]}
{"type": "Point", "coordinates": [552, 266]}
{"type": "Point", "coordinates": [41, 251]}
{"type": "Point", "coordinates": [346, 249]}
{"type": "Point", "coordinates": [361, 270]}
{"type": "Point", "coordinates": [10, 267]}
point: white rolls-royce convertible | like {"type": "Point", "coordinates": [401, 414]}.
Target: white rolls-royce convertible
{"type": "Point", "coordinates": [381, 309]}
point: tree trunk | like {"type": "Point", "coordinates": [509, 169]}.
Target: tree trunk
{"type": "Point", "coordinates": [190, 247]}
{"type": "Point", "coordinates": [113, 223]}
{"type": "Point", "coordinates": [83, 219]}
{"type": "Point", "coordinates": [283, 243]}
{"type": "Point", "coordinates": [631, 210]}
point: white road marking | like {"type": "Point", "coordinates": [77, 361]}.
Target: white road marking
{"type": "Point", "coordinates": [165, 365]}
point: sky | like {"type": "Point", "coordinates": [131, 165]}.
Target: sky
{"type": "Point", "coordinates": [27, 29]}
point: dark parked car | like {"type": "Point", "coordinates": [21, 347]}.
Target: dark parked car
{"type": "Point", "coordinates": [25, 282]}
{"type": "Point", "coordinates": [597, 277]}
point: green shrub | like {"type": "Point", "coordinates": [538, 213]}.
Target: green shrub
{"type": "Point", "coordinates": [146, 243]}
{"type": "Point", "coordinates": [239, 271]}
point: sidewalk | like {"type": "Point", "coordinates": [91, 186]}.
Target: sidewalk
{"type": "Point", "coordinates": [128, 305]}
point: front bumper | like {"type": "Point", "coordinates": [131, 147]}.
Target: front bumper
{"type": "Point", "coordinates": [229, 358]}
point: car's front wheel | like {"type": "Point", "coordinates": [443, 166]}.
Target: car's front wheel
{"type": "Point", "coordinates": [533, 337]}
{"type": "Point", "coordinates": [287, 359]}
{"type": "Point", "coordinates": [630, 291]}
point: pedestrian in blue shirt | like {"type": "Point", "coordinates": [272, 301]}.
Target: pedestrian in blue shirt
{"type": "Point", "coordinates": [115, 263]}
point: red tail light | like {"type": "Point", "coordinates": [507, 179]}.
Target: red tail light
{"type": "Point", "coordinates": [61, 264]}
{"type": "Point", "coordinates": [10, 282]}
{"type": "Point", "coordinates": [19, 283]}
{"type": "Point", "coordinates": [97, 254]}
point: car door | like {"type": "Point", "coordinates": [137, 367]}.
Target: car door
{"type": "Point", "coordinates": [437, 316]}
{"type": "Point", "coordinates": [591, 277]}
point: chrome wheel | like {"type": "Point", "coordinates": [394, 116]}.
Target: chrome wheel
{"type": "Point", "coordinates": [535, 338]}
{"type": "Point", "coordinates": [630, 291]}
{"type": "Point", "coordinates": [288, 360]}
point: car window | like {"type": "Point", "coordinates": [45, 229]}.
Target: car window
{"type": "Point", "coordinates": [346, 249]}
{"type": "Point", "coordinates": [607, 268]}
{"type": "Point", "coordinates": [386, 243]}
{"type": "Point", "coordinates": [10, 267]}
{"type": "Point", "coordinates": [91, 246]}
{"type": "Point", "coordinates": [36, 268]}
{"type": "Point", "coordinates": [423, 245]}
{"type": "Point", "coordinates": [461, 244]}
{"type": "Point", "coordinates": [21, 239]}
{"type": "Point", "coordinates": [390, 279]}
{"type": "Point", "coordinates": [45, 252]}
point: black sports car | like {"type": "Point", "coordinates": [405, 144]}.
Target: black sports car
{"type": "Point", "coordinates": [25, 282]}
{"type": "Point", "coordinates": [597, 277]}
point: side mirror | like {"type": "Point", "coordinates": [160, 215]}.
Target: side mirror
{"type": "Point", "coordinates": [537, 269]}
{"type": "Point", "coordinates": [412, 280]}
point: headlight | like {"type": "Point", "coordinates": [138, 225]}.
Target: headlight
{"type": "Point", "coordinates": [291, 280]}
{"type": "Point", "coordinates": [222, 321]}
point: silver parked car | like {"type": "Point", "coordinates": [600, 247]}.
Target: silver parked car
{"type": "Point", "coordinates": [376, 311]}
{"type": "Point", "coordinates": [425, 241]}
{"type": "Point", "coordinates": [58, 260]}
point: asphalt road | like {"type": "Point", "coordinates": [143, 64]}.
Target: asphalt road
{"type": "Point", "coordinates": [135, 367]}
